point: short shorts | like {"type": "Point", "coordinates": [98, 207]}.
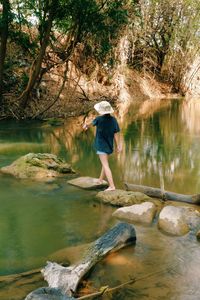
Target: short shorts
{"type": "Point", "coordinates": [101, 152]}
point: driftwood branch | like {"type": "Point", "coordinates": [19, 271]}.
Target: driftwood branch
{"type": "Point", "coordinates": [67, 279]}
{"type": "Point", "coordinates": [165, 195]}
{"type": "Point", "coordinates": [63, 281]}
{"type": "Point", "coordinates": [54, 294]}
{"type": "Point", "coordinates": [122, 285]}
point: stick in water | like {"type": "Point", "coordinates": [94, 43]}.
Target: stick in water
{"type": "Point", "coordinates": [131, 281]}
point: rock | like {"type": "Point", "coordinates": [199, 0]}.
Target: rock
{"type": "Point", "coordinates": [122, 198]}
{"type": "Point", "coordinates": [46, 293]}
{"type": "Point", "coordinates": [192, 217]}
{"type": "Point", "coordinates": [198, 235]}
{"type": "Point", "coordinates": [172, 220]}
{"type": "Point", "coordinates": [143, 213]}
{"type": "Point", "coordinates": [88, 183]}
{"type": "Point", "coordinates": [38, 166]}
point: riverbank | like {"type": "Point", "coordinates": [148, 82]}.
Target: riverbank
{"type": "Point", "coordinates": [122, 87]}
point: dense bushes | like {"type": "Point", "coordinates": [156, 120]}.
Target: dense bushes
{"type": "Point", "coordinates": [163, 39]}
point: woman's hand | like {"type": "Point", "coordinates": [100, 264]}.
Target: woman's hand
{"type": "Point", "coordinates": [85, 127]}
{"type": "Point", "coordinates": [119, 148]}
{"type": "Point", "coordinates": [87, 123]}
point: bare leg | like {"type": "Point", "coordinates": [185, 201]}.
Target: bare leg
{"type": "Point", "coordinates": [102, 175]}
{"type": "Point", "coordinates": [105, 165]}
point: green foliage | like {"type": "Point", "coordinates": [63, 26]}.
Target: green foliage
{"type": "Point", "coordinates": [9, 14]}
{"type": "Point", "coordinates": [23, 39]}
{"type": "Point", "coordinates": [24, 80]}
{"type": "Point", "coordinates": [164, 37]}
{"type": "Point", "coordinates": [93, 23]}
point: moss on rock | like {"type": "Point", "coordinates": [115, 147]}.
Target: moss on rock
{"type": "Point", "coordinates": [38, 166]}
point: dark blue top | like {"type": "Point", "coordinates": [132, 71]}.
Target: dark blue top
{"type": "Point", "coordinates": [107, 126]}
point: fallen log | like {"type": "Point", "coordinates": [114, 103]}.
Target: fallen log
{"type": "Point", "coordinates": [165, 195]}
{"type": "Point", "coordinates": [47, 293]}
{"type": "Point", "coordinates": [63, 281]}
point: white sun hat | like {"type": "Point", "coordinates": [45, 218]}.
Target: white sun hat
{"type": "Point", "coordinates": [103, 108]}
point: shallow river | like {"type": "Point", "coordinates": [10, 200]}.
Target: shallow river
{"type": "Point", "coordinates": [38, 220]}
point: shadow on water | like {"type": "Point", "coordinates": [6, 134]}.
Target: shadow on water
{"type": "Point", "coordinates": [38, 220]}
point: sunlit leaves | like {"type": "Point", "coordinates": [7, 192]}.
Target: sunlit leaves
{"type": "Point", "coordinates": [164, 35]}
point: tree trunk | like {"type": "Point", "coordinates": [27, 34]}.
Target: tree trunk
{"type": "Point", "coordinates": [4, 38]}
{"type": "Point", "coordinates": [64, 281]}
{"type": "Point", "coordinates": [37, 64]}
{"type": "Point", "coordinates": [165, 195]}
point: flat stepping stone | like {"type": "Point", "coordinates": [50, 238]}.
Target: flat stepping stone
{"type": "Point", "coordinates": [88, 183]}
{"type": "Point", "coordinates": [122, 198]}
{"type": "Point", "coordinates": [141, 213]}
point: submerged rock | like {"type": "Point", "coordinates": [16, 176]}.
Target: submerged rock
{"type": "Point", "coordinates": [172, 220]}
{"type": "Point", "coordinates": [88, 183]}
{"type": "Point", "coordinates": [38, 166]}
{"type": "Point", "coordinates": [143, 213]}
{"type": "Point", "coordinates": [122, 198]}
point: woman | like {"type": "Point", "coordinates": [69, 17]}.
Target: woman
{"type": "Point", "coordinates": [107, 130]}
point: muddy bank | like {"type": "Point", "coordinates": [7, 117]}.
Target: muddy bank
{"type": "Point", "coordinates": [121, 87]}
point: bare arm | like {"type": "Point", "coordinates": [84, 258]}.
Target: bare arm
{"type": "Point", "coordinates": [87, 123]}
{"type": "Point", "coordinates": [117, 142]}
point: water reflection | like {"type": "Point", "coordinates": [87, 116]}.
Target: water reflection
{"type": "Point", "coordinates": [154, 252]}
{"type": "Point", "coordinates": [20, 138]}
{"type": "Point", "coordinates": [176, 258]}
{"type": "Point", "coordinates": [37, 219]}
{"type": "Point", "coordinates": [190, 114]}
{"type": "Point", "coordinates": [160, 140]}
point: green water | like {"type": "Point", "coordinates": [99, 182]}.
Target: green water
{"type": "Point", "coordinates": [38, 219]}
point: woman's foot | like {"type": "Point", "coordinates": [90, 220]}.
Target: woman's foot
{"type": "Point", "coordinates": [110, 188]}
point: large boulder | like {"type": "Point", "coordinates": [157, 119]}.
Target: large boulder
{"type": "Point", "coordinates": [186, 214]}
{"type": "Point", "coordinates": [122, 198]}
{"type": "Point", "coordinates": [142, 213]}
{"type": "Point", "coordinates": [88, 183]}
{"type": "Point", "coordinates": [172, 220]}
{"type": "Point", "coordinates": [38, 166]}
